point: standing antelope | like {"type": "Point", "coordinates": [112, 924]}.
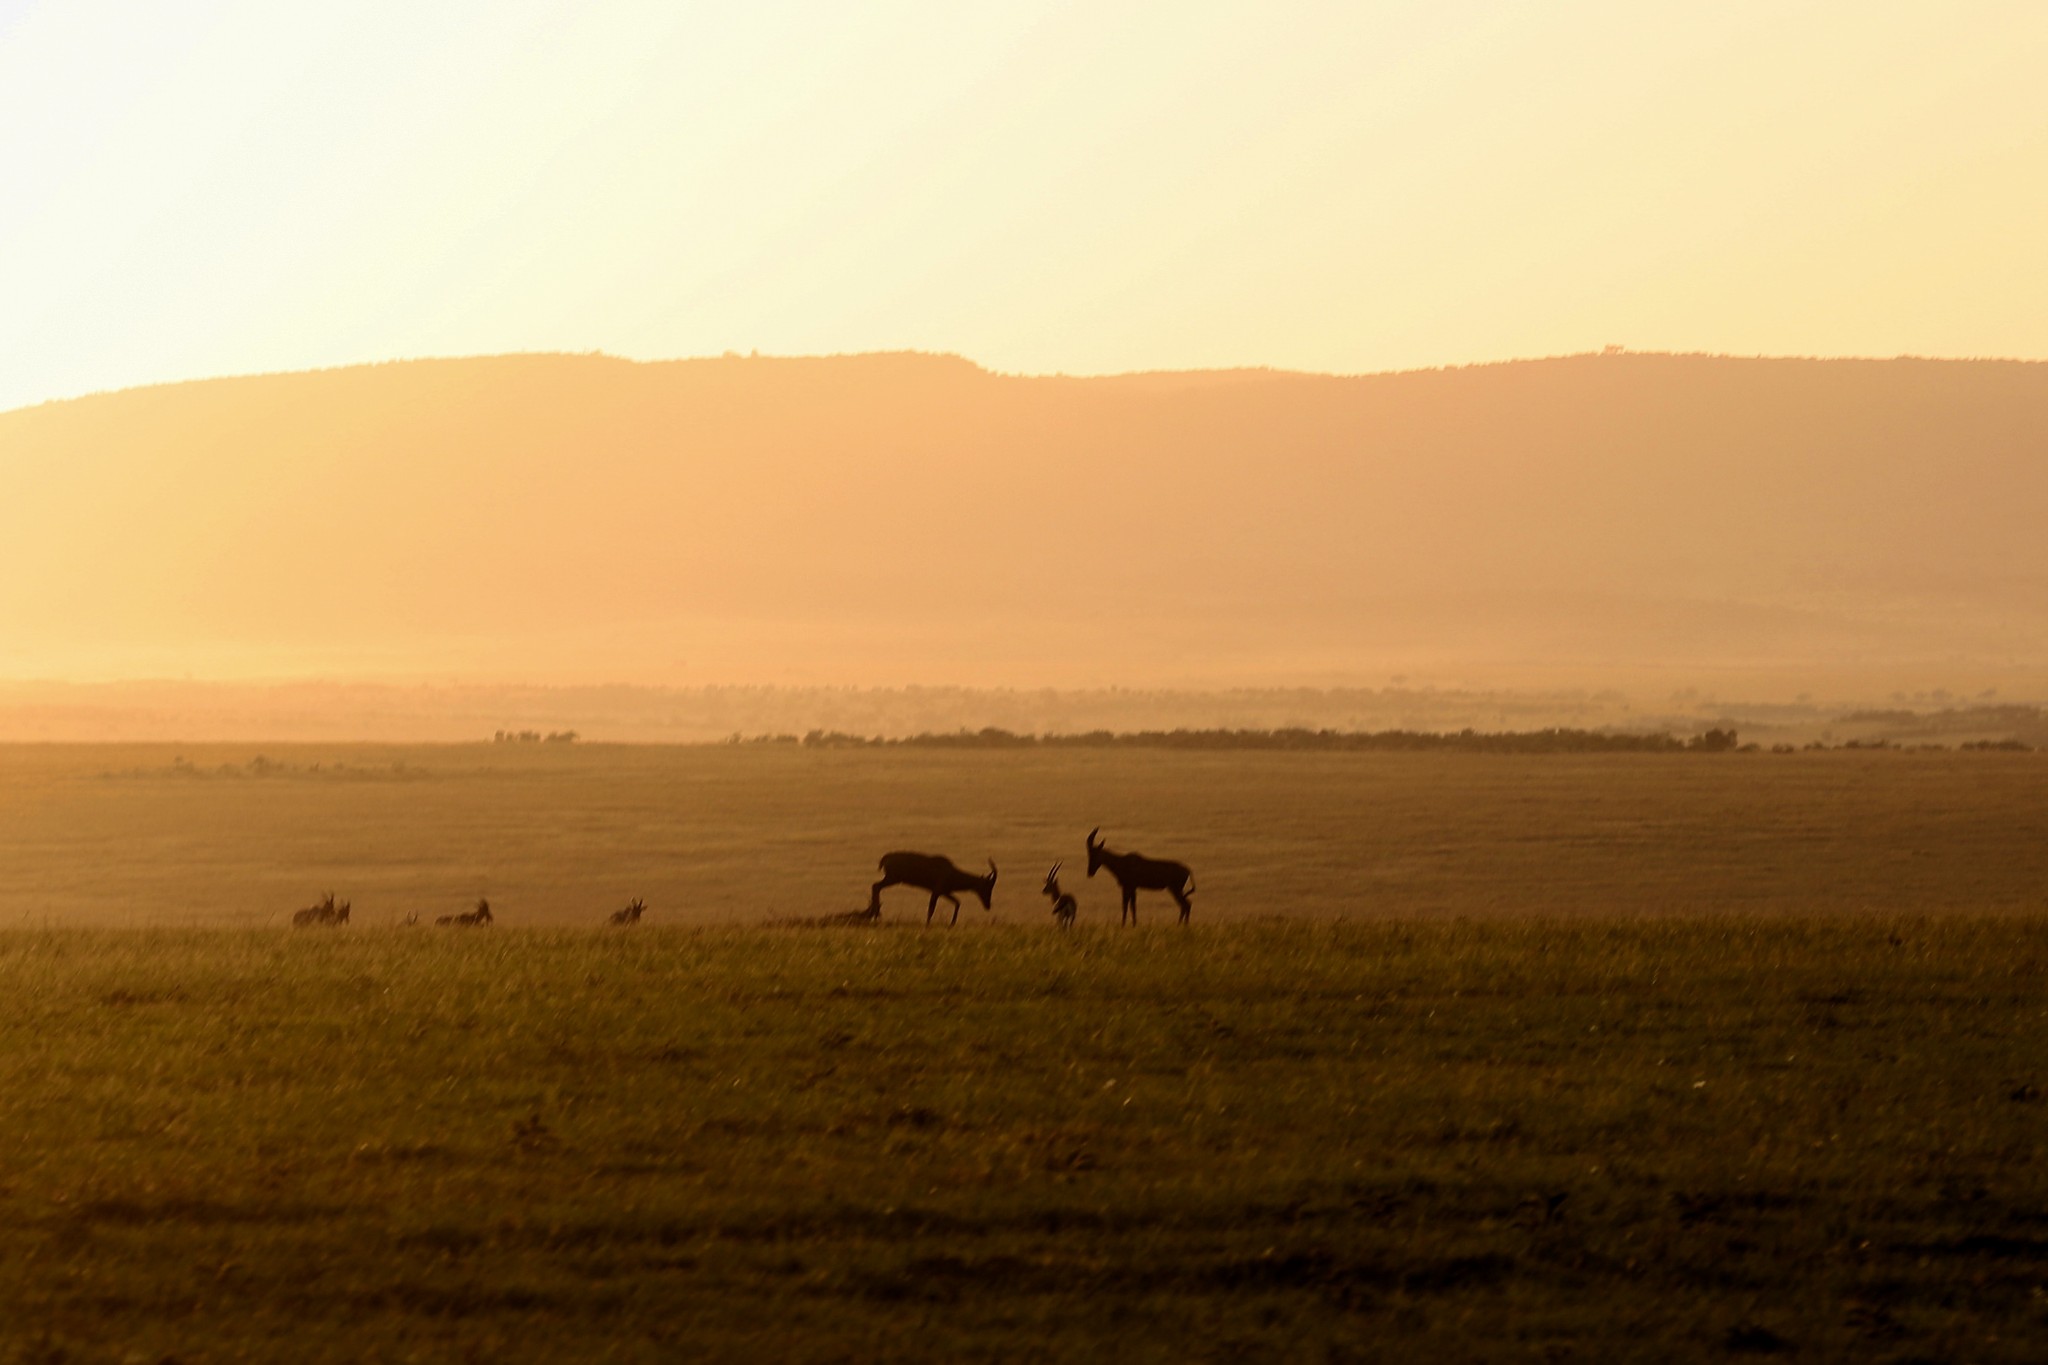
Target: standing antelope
{"type": "Point", "coordinates": [1134, 872]}
{"type": "Point", "coordinates": [1064, 905]}
{"type": "Point", "coordinates": [631, 914]}
{"type": "Point", "coordinates": [929, 872]}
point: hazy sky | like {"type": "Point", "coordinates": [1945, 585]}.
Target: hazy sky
{"type": "Point", "coordinates": [225, 186]}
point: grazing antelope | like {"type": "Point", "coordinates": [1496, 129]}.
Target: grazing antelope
{"type": "Point", "coordinates": [1134, 872]}
{"type": "Point", "coordinates": [631, 914]}
{"type": "Point", "coordinates": [326, 912]}
{"type": "Point", "coordinates": [1064, 905]}
{"type": "Point", "coordinates": [479, 916]}
{"type": "Point", "coordinates": [929, 872]}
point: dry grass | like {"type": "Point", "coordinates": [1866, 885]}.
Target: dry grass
{"type": "Point", "coordinates": [1609, 1058]}
{"type": "Point", "coordinates": [564, 835]}
{"type": "Point", "coordinates": [1671, 1139]}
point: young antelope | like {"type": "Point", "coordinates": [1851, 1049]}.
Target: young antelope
{"type": "Point", "coordinates": [1064, 905]}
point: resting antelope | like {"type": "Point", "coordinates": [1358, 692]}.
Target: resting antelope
{"type": "Point", "coordinates": [1134, 872]}
{"type": "Point", "coordinates": [479, 916]}
{"type": "Point", "coordinates": [631, 914]}
{"type": "Point", "coordinates": [1064, 905]}
{"type": "Point", "coordinates": [325, 912]}
{"type": "Point", "coordinates": [929, 872]}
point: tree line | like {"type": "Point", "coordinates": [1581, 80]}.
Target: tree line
{"type": "Point", "coordinates": [1551, 741]}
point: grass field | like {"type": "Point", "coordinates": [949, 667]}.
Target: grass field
{"type": "Point", "coordinates": [561, 835]}
{"type": "Point", "coordinates": [1516, 1139]}
{"type": "Point", "coordinates": [1565, 1057]}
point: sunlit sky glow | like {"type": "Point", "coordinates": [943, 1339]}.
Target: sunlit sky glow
{"type": "Point", "coordinates": [230, 186]}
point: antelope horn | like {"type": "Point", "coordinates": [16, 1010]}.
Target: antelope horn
{"type": "Point", "coordinates": [1055, 869]}
{"type": "Point", "coordinates": [1091, 835]}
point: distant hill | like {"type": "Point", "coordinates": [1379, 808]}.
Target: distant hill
{"type": "Point", "coordinates": [1641, 521]}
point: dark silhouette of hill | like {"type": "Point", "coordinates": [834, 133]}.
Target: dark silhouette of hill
{"type": "Point", "coordinates": [1635, 520]}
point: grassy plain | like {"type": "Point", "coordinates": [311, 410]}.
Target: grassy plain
{"type": "Point", "coordinates": [1653, 1139]}
{"type": "Point", "coordinates": [1563, 1057]}
{"type": "Point", "coordinates": [122, 836]}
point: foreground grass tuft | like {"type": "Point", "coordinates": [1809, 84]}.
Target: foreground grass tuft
{"type": "Point", "coordinates": [1676, 1139]}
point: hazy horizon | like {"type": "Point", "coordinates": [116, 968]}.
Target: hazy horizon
{"type": "Point", "coordinates": [1620, 521]}
{"type": "Point", "coordinates": [1036, 345]}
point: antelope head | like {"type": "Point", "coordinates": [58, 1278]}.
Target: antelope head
{"type": "Point", "coordinates": [987, 890]}
{"type": "Point", "coordinates": [1052, 881]}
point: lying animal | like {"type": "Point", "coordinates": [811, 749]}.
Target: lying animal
{"type": "Point", "coordinates": [325, 911]}
{"type": "Point", "coordinates": [479, 916]}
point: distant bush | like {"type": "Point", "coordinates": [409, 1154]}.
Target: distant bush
{"type": "Point", "coordinates": [535, 737]}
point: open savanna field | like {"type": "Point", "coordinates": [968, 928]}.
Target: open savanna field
{"type": "Point", "coordinates": [1621, 1057]}
{"type": "Point", "coordinates": [560, 835]}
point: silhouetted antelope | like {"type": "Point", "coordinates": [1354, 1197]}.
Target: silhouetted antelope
{"type": "Point", "coordinates": [1064, 906]}
{"type": "Point", "coordinates": [1134, 872]}
{"type": "Point", "coordinates": [479, 916]}
{"type": "Point", "coordinates": [929, 872]}
{"type": "Point", "coordinates": [325, 912]}
{"type": "Point", "coordinates": [630, 915]}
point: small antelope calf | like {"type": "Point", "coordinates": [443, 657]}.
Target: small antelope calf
{"type": "Point", "coordinates": [1064, 906]}
{"type": "Point", "coordinates": [475, 918]}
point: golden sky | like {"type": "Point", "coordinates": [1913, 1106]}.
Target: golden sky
{"type": "Point", "coordinates": [230, 186]}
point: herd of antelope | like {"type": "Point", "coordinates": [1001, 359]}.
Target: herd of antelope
{"type": "Point", "coordinates": [928, 872]}
{"type": "Point", "coordinates": [1133, 872]}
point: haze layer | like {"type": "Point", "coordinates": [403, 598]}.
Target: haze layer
{"type": "Point", "coordinates": [1608, 520]}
